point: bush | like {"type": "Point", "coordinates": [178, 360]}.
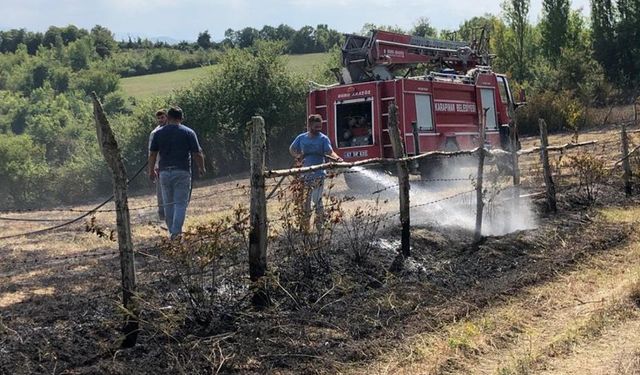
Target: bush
{"type": "Point", "coordinates": [94, 79]}
{"type": "Point", "coordinates": [591, 173]}
{"type": "Point", "coordinates": [560, 111]}
{"type": "Point", "coordinates": [22, 171]}
{"type": "Point", "coordinates": [82, 177]}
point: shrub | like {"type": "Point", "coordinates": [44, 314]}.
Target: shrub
{"type": "Point", "coordinates": [560, 111]}
{"type": "Point", "coordinates": [591, 173]}
{"type": "Point", "coordinates": [22, 171]}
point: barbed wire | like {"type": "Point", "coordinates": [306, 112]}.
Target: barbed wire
{"type": "Point", "coordinates": [155, 205]}
{"type": "Point", "coordinates": [64, 259]}
{"type": "Point", "coordinates": [71, 221]}
{"type": "Point", "coordinates": [30, 220]}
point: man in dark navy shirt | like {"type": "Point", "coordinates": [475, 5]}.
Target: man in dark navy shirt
{"type": "Point", "coordinates": [176, 144]}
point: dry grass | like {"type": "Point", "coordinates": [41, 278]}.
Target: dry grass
{"type": "Point", "coordinates": [525, 333]}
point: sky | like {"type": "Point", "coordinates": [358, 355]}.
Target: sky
{"type": "Point", "coordinates": [184, 19]}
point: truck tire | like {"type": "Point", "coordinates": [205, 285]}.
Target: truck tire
{"type": "Point", "coordinates": [430, 168]}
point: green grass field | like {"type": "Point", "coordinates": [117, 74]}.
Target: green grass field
{"type": "Point", "coordinates": [163, 83]}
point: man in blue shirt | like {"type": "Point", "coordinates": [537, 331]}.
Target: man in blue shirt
{"type": "Point", "coordinates": [176, 144]}
{"type": "Point", "coordinates": [311, 148]}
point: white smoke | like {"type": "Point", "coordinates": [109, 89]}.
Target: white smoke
{"type": "Point", "coordinates": [448, 203]}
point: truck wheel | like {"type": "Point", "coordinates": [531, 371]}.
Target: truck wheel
{"type": "Point", "coordinates": [430, 168]}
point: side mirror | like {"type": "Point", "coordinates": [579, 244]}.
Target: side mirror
{"type": "Point", "coordinates": [522, 99]}
{"type": "Point", "coordinates": [522, 96]}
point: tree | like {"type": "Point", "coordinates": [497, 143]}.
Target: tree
{"type": "Point", "coordinates": [247, 37]}
{"type": "Point", "coordinates": [516, 13]}
{"type": "Point", "coordinates": [628, 42]}
{"type": "Point", "coordinates": [471, 29]}
{"type": "Point", "coordinates": [367, 27]}
{"type": "Point", "coordinates": [22, 170]}
{"type": "Point", "coordinates": [554, 27]}
{"type": "Point", "coordinates": [103, 41]}
{"type": "Point", "coordinates": [422, 27]}
{"type": "Point", "coordinates": [285, 32]}
{"type": "Point", "coordinates": [602, 31]}
{"type": "Point", "coordinates": [33, 41]}
{"type": "Point", "coordinates": [71, 33]}
{"type": "Point", "coordinates": [204, 40]}
{"type": "Point", "coordinates": [268, 33]}
{"type": "Point", "coordinates": [230, 38]}
{"type": "Point", "coordinates": [80, 53]}
{"type": "Point", "coordinates": [52, 36]}
{"type": "Point", "coordinates": [326, 38]}
{"type": "Point", "coordinates": [303, 40]}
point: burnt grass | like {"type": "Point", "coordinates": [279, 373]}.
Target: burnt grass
{"type": "Point", "coordinates": [327, 313]}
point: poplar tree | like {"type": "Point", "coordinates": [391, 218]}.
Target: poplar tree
{"type": "Point", "coordinates": [516, 14]}
{"type": "Point", "coordinates": [554, 28]}
{"type": "Point", "coordinates": [603, 35]}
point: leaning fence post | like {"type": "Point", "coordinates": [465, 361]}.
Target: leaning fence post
{"type": "Point", "coordinates": [544, 157]}
{"type": "Point", "coordinates": [626, 164]}
{"type": "Point", "coordinates": [111, 153]}
{"type": "Point", "coordinates": [258, 209]}
{"type": "Point", "coordinates": [479, 180]}
{"type": "Point", "coordinates": [403, 179]}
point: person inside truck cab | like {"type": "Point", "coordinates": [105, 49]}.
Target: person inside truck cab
{"type": "Point", "coordinates": [360, 132]}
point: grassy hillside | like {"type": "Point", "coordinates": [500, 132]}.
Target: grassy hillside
{"type": "Point", "coordinates": [163, 83]}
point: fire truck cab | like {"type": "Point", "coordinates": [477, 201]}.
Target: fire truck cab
{"type": "Point", "coordinates": [445, 106]}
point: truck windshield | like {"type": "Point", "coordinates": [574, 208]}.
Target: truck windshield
{"type": "Point", "coordinates": [504, 90]}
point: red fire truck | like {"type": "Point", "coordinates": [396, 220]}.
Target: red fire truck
{"type": "Point", "coordinates": [445, 105]}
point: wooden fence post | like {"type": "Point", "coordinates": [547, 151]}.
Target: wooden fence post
{"type": "Point", "coordinates": [513, 138]}
{"type": "Point", "coordinates": [416, 146]}
{"type": "Point", "coordinates": [544, 158]}
{"type": "Point", "coordinates": [626, 164]}
{"type": "Point", "coordinates": [258, 209]}
{"type": "Point", "coordinates": [111, 153]}
{"type": "Point", "coordinates": [403, 179]}
{"type": "Point", "coordinates": [477, 236]}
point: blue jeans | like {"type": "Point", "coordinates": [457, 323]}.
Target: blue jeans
{"type": "Point", "coordinates": [160, 202]}
{"type": "Point", "coordinates": [314, 187]}
{"type": "Point", "coordinates": [176, 187]}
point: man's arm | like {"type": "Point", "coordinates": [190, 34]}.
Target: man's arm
{"type": "Point", "coordinates": [295, 150]}
{"type": "Point", "coordinates": [333, 156]}
{"type": "Point", "coordinates": [328, 151]}
{"type": "Point", "coordinates": [153, 155]}
{"type": "Point", "coordinates": [199, 158]}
